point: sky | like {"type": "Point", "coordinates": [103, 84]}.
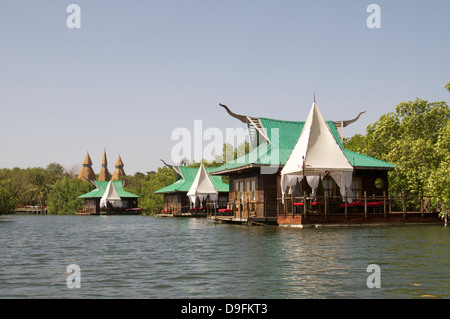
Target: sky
{"type": "Point", "coordinates": [135, 72]}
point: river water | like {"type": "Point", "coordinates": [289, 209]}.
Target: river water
{"type": "Point", "coordinates": [150, 257]}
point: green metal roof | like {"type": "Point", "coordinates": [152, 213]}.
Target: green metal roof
{"type": "Point", "coordinates": [185, 182]}
{"type": "Point", "coordinates": [101, 188]}
{"type": "Point", "coordinates": [279, 151]}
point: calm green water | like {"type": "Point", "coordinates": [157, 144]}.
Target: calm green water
{"type": "Point", "coordinates": [148, 257]}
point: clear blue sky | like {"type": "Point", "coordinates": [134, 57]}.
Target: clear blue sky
{"type": "Point", "coordinates": [137, 70]}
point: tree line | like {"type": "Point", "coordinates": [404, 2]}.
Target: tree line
{"type": "Point", "coordinates": [416, 138]}
{"type": "Point", "coordinates": [37, 186]}
{"type": "Point", "coordinates": [57, 189]}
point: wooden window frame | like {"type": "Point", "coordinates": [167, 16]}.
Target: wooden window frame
{"type": "Point", "coordinates": [356, 192]}
{"type": "Point", "coordinates": [246, 191]}
{"type": "Point", "coordinates": [333, 188]}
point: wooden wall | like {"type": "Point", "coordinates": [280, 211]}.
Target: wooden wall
{"type": "Point", "coordinates": [182, 202]}
{"type": "Point", "coordinates": [368, 177]}
{"type": "Point", "coordinates": [268, 188]}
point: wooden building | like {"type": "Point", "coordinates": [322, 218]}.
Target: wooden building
{"type": "Point", "coordinates": [109, 198]}
{"type": "Point", "coordinates": [255, 188]}
{"type": "Point", "coordinates": [176, 200]}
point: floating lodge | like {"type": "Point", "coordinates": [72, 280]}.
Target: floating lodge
{"type": "Point", "coordinates": [194, 193]}
{"type": "Point", "coordinates": [298, 174]}
{"type": "Point", "coordinates": [109, 196]}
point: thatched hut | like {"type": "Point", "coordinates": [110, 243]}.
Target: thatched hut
{"type": "Point", "coordinates": [119, 173]}
{"type": "Point", "coordinates": [104, 173]}
{"type": "Point", "coordinates": [86, 172]}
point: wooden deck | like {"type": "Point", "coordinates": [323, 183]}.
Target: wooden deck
{"type": "Point", "coordinates": [245, 220]}
{"type": "Point", "coordinates": [374, 219]}
{"type": "Point", "coordinates": [130, 211]}
{"type": "Point", "coordinates": [317, 218]}
{"type": "Point", "coordinates": [31, 210]}
{"type": "Point", "coordinates": [182, 215]}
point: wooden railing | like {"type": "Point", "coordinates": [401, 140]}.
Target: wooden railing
{"type": "Point", "coordinates": [385, 204]}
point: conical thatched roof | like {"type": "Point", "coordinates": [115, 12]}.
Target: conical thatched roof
{"type": "Point", "coordinates": [118, 172]}
{"type": "Point", "coordinates": [86, 172]}
{"type": "Point", "coordinates": [104, 173]}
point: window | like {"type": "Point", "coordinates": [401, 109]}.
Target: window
{"type": "Point", "coordinates": [171, 202]}
{"type": "Point", "coordinates": [253, 189]}
{"type": "Point", "coordinates": [356, 187]}
{"type": "Point", "coordinates": [379, 183]}
{"type": "Point", "coordinates": [328, 186]}
{"type": "Point", "coordinates": [248, 191]}
{"type": "Point", "coordinates": [245, 190]}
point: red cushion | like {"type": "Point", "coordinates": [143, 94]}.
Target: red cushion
{"type": "Point", "coordinates": [379, 203]}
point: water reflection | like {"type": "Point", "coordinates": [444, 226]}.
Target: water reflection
{"type": "Point", "coordinates": [147, 257]}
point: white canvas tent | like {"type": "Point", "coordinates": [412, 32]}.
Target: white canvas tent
{"type": "Point", "coordinates": [202, 187]}
{"type": "Point", "coordinates": [111, 196]}
{"type": "Point", "coordinates": [316, 154]}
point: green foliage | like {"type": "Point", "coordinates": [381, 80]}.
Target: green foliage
{"type": "Point", "coordinates": [439, 180]}
{"type": "Point", "coordinates": [32, 185]}
{"type": "Point", "coordinates": [229, 153]}
{"type": "Point", "coordinates": [8, 197]}
{"type": "Point", "coordinates": [355, 143]}
{"type": "Point", "coordinates": [416, 139]}
{"type": "Point", "coordinates": [146, 185]}
{"type": "Point", "coordinates": [62, 198]}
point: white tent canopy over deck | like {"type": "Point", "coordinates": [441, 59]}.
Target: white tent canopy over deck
{"type": "Point", "coordinates": [111, 196]}
{"type": "Point", "coordinates": [202, 187]}
{"type": "Point", "coordinates": [315, 155]}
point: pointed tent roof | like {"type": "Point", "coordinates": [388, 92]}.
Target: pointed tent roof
{"type": "Point", "coordinates": [104, 173]}
{"type": "Point", "coordinates": [101, 187]}
{"type": "Point", "coordinates": [202, 186]}
{"type": "Point", "coordinates": [315, 154]}
{"type": "Point", "coordinates": [118, 172]}
{"type": "Point", "coordinates": [86, 172]}
{"type": "Point", "coordinates": [109, 195]}
{"type": "Point", "coordinates": [185, 178]}
{"type": "Point", "coordinates": [316, 151]}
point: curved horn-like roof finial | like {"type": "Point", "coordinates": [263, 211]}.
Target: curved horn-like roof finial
{"type": "Point", "coordinates": [348, 122]}
{"type": "Point", "coordinates": [166, 163]}
{"type": "Point", "coordinates": [241, 118]}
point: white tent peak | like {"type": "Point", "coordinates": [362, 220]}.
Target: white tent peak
{"type": "Point", "coordinates": [316, 153]}
{"type": "Point", "coordinates": [202, 187]}
{"type": "Point", "coordinates": [110, 195]}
